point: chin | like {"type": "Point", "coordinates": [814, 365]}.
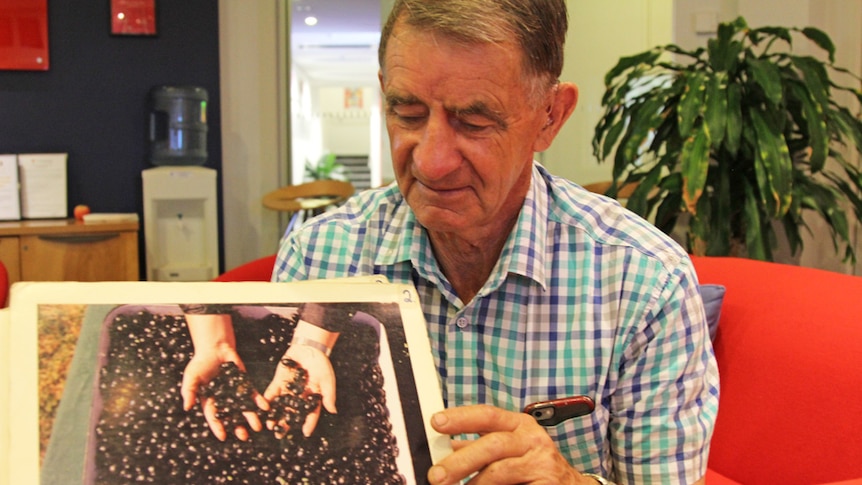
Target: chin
{"type": "Point", "coordinates": [442, 220]}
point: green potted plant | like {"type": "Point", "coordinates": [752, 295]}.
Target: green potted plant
{"type": "Point", "coordinates": [736, 136]}
{"type": "Point", "coordinates": [327, 168]}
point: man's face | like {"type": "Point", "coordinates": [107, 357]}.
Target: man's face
{"type": "Point", "coordinates": [462, 129]}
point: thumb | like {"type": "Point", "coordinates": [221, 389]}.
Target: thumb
{"type": "Point", "coordinates": [272, 391]}
{"type": "Point", "coordinates": [188, 391]}
{"type": "Point", "coordinates": [311, 422]}
{"type": "Point", "coordinates": [327, 397]}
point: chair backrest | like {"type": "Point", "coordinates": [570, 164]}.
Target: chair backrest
{"type": "Point", "coordinates": [256, 270]}
{"type": "Point", "coordinates": [602, 188]}
{"type": "Point", "coordinates": [313, 195]}
{"type": "Point", "coordinates": [4, 285]}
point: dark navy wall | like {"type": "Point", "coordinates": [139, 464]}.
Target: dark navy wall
{"type": "Point", "coordinates": [92, 103]}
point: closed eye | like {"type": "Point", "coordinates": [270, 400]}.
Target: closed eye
{"type": "Point", "coordinates": [473, 127]}
{"type": "Point", "coordinates": [478, 117]}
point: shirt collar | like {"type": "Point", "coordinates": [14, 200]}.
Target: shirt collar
{"type": "Point", "coordinates": [523, 253]}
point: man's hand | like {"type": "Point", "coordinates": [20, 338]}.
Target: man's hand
{"type": "Point", "coordinates": [512, 448]}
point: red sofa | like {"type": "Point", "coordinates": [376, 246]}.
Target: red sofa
{"type": "Point", "coordinates": [789, 351]}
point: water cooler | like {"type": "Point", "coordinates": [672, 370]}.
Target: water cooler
{"type": "Point", "coordinates": [180, 206]}
{"type": "Point", "coordinates": [180, 223]}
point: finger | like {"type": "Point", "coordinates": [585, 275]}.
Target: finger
{"type": "Point", "coordinates": [241, 433]}
{"type": "Point", "coordinates": [504, 435]}
{"type": "Point", "coordinates": [458, 444]}
{"type": "Point", "coordinates": [311, 422]}
{"type": "Point", "coordinates": [234, 357]}
{"type": "Point", "coordinates": [327, 396]}
{"type": "Point", "coordinates": [272, 391]}
{"type": "Point", "coordinates": [209, 410]}
{"type": "Point", "coordinates": [188, 391]}
{"type": "Point", "coordinates": [539, 464]}
{"type": "Point", "coordinates": [480, 419]}
{"type": "Point", "coordinates": [260, 400]}
{"type": "Point", "coordinates": [475, 456]}
{"type": "Point", "coordinates": [253, 421]}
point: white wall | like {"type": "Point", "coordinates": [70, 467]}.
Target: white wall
{"type": "Point", "coordinates": [254, 139]}
{"type": "Point", "coordinates": [306, 131]}
{"type": "Point", "coordinates": [599, 34]}
{"type": "Point", "coordinates": [345, 129]}
{"type": "Point", "coordinates": [690, 17]}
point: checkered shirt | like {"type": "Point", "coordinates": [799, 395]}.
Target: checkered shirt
{"type": "Point", "coordinates": [586, 298]}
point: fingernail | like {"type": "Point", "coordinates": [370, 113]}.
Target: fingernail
{"type": "Point", "coordinates": [439, 419]}
{"type": "Point", "coordinates": [436, 474]}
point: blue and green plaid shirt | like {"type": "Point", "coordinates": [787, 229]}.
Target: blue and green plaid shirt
{"type": "Point", "coordinates": [586, 298]}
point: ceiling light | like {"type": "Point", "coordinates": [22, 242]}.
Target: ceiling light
{"type": "Point", "coordinates": [310, 21]}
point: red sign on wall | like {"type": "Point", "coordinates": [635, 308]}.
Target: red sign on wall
{"type": "Point", "coordinates": [24, 35]}
{"type": "Point", "coordinates": [133, 17]}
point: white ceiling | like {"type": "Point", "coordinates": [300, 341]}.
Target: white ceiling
{"type": "Point", "coordinates": [342, 48]}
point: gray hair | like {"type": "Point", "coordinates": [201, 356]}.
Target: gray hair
{"type": "Point", "coordinates": [537, 26]}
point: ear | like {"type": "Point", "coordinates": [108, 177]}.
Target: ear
{"type": "Point", "coordinates": [563, 103]}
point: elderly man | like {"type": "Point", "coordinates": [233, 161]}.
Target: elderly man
{"type": "Point", "coordinates": [532, 288]}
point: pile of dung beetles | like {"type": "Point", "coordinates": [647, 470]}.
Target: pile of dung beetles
{"type": "Point", "coordinates": [143, 435]}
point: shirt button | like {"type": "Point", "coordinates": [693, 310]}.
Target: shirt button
{"type": "Point", "coordinates": [462, 322]}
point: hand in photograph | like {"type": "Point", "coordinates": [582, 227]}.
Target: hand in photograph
{"type": "Point", "coordinates": [214, 345]}
{"type": "Point", "coordinates": [303, 380]}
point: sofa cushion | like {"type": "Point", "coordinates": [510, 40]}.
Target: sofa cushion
{"type": "Point", "coordinates": [789, 350]}
{"type": "Point", "coordinates": [713, 296]}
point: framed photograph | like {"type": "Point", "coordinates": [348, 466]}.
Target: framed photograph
{"type": "Point", "coordinates": [133, 17]}
{"type": "Point", "coordinates": [106, 406]}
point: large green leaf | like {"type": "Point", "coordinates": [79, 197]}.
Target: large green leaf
{"type": "Point", "coordinates": [675, 49]}
{"type": "Point", "coordinates": [815, 77]}
{"type": "Point", "coordinates": [768, 77]}
{"type": "Point", "coordinates": [721, 216]}
{"type": "Point", "coordinates": [612, 121]}
{"type": "Point", "coordinates": [754, 240]}
{"type": "Point", "coordinates": [791, 226]}
{"type": "Point", "coordinates": [643, 121]}
{"type": "Point", "coordinates": [853, 192]}
{"type": "Point", "coordinates": [723, 50]}
{"type": "Point", "coordinates": [825, 202]}
{"type": "Point", "coordinates": [818, 137]}
{"type": "Point", "coordinates": [691, 102]}
{"type": "Point", "coordinates": [637, 202]}
{"type": "Point", "coordinates": [715, 115]}
{"type": "Point", "coordinates": [773, 165]}
{"type": "Point", "coordinates": [733, 121]}
{"type": "Point", "coordinates": [611, 138]}
{"type": "Point", "coordinates": [646, 57]}
{"type": "Point", "coordinates": [694, 166]}
{"type": "Point", "coordinates": [849, 126]}
{"type": "Point", "coordinates": [821, 39]}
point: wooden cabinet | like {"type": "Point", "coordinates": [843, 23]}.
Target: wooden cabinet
{"type": "Point", "coordinates": [67, 250]}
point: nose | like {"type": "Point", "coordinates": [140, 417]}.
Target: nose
{"type": "Point", "coordinates": [436, 153]}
